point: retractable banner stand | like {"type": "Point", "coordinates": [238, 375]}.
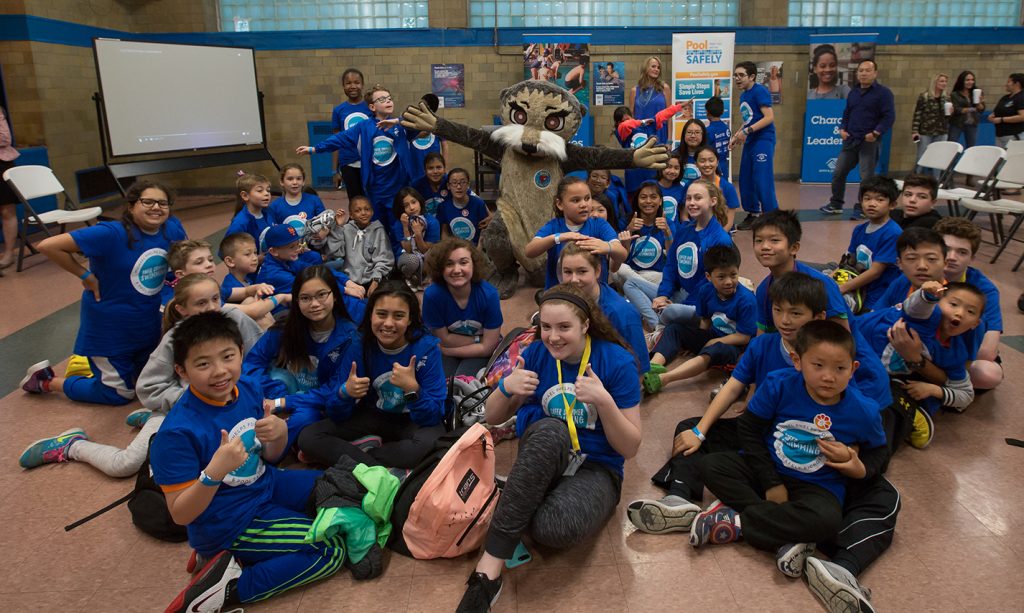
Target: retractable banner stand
{"type": "Point", "coordinates": [832, 72]}
{"type": "Point", "coordinates": [563, 59]}
{"type": "Point", "coordinates": [701, 68]}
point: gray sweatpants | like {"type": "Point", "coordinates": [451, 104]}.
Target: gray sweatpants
{"type": "Point", "coordinates": [558, 511]}
{"type": "Point", "coordinates": [115, 461]}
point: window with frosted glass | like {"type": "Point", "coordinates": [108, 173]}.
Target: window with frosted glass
{"type": "Point", "coordinates": [265, 15]}
{"type": "Point", "coordinates": [916, 13]}
{"type": "Point", "coordinates": [589, 13]}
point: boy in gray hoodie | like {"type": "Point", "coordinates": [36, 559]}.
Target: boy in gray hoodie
{"type": "Point", "coordinates": [362, 244]}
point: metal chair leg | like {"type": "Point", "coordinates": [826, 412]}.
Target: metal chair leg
{"type": "Point", "coordinates": [1018, 218]}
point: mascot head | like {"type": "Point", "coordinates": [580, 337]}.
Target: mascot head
{"type": "Point", "coordinates": [538, 118]}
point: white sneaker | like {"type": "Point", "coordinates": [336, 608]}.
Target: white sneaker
{"type": "Point", "coordinates": [790, 559]}
{"type": "Point", "coordinates": [836, 587]}
{"type": "Point", "coordinates": [654, 336]}
{"type": "Point", "coordinates": [670, 514]}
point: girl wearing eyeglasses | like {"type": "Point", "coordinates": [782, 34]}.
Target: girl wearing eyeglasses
{"type": "Point", "coordinates": [462, 214]}
{"type": "Point", "coordinates": [381, 147]}
{"type": "Point", "coordinates": [298, 358]}
{"type": "Point", "coordinates": [120, 312]}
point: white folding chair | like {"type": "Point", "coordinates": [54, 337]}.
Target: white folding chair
{"type": "Point", "coordinates": [982, 161]}
{"type": "Point", "coordinates": [1012, 148]}
{"type": "Point", "coordinates": [31, 182]}
{"type": "Point", "coordinates": [1012, 171]}
{"type": "Point", "coordinates": [939, 156]}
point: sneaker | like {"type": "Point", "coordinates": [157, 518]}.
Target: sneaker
{"type": "Point", "coordinates": [831, 209]}
{"type": "Point", "coordinates": [747, 222]}
{"type": "Point", "coordinates": [51, 450]}
{"type": "Point", "coordinates": [858, 214]}
{"type": "Point", "coordinates": [503, 432]}
{"type": "Point", "coordinates": [138, 418]}
{"type": "Point", "coordinates": [923, 430]}
{"type": "Point", "coordinates": [195, 562]}
{"type": "Point", "coordinates": [37, 378]}
{"type": "Point", "coordinates": [717, 525]}
{"type": "Point", "coordinates": [208, 590]}
{"type": "Point", "coordinates": [481, 594]}
{"type": "Point", "coordinates": [670, 514]}
{"type": "Point", "coordinates": [78, 366]}
{"type": "Point", "coordinates": [368, 442]}
{"type": "Point", "coordinates": [716, 390]}
{"type": "Point", "coordinates": [654, 336]}
{"type": "Point", "coordinates": [790, 558]}
{"type": "Point", "coordinates": [836, 587]}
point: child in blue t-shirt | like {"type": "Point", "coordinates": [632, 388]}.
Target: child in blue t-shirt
{"type": "Point", "coordinates": [433, 185]}
{"type": "Point", "coordinates": [707, 164]}
{"type": "Point", "coordinates": [426, 145]}
{"type": "Point", "coordinates": [462, 214]}
{"type": "Point", "coordinates": [603, 183]}
{"type": "Point", "coordinates": [873, 244]}
{"type": "Point", "coordinates": [239, 253]}
{"type": "Point", "coordinates": [647, 237]}
{"type": "Point", "coordinates": [252, 212]}
{"type": "Point", "coordinates": [572, 222]}
{"type": "Point", "coordinates": [728, 320]}
{"type": "Point", "coordinates": [295, 206]}
{"type": "Point", "coordinates": [718, 132]}
{"type": "Point", "coordinates": [417, 234]}
{"type": "Point", "coordinates": [347, 114]}
{"type": "Point", "coordinates": [673, 192]}
{"type": "Point", "coordinates": [120, 310]}
{"type": "Point", "coordinates": [214, 457]}
{"type": "Point", "coordinates": [394, 390]}
{"type": "Point", "coordinates": [461, 309]}
{"type": "Point", "coordinates": [695, 137]}
{"type": "Point", "coordinates": [788, 487]}
{"type": "Point", "coordinates": [757, 162]}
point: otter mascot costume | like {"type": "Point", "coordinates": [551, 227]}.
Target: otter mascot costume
{"type": "Point", "coordinates": [539, 117]}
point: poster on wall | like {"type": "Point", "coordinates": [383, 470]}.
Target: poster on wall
{"type": "Point", "coordinates": [832, 71]}
{"type": "Point", "coordinates": [769, 74]}
{"type": "Point", "coordinates": [563, 59]}
{"type": "Point", "coordinates": [449, 85]}
{"type": "Point", "coordinates": [701, 68]}
{"type": "Point", "coordinates": [609, 84]}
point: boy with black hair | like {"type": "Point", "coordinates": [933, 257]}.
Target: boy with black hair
{"type": "Point", "coordinates": [212, 457]}
{"type": "Point", "coordinates": [804, 433]}
{"type": "Point", "coordinates": [776, 243]}
{"type": "Point", "coordinates": [719, 135]}
{"type": "Point", "coordinates": [873, 244]}
{"type": "Point", "coordinates": [757, 135]}
{"type": "Point", "coordinates": [728, 320]}
{"type": "Point", "coordinates": [918, 200]}
{"type": "Point", "coordinates": [920, 256]}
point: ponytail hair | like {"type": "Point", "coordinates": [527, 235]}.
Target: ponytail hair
{"type": "Point", "coordinates": [182, 291]}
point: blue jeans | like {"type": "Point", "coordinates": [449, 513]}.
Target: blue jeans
{"type": "Point", "coordinates": [641, 293]}
{"type": "Point", "coordinates": [855, 153]}
{"type": "Point", "coordinates": [927, 139]}
{"type": "Point", "coordinates": [970, 135]}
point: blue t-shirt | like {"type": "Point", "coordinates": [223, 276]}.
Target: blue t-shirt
{"type": "Point", "coordinates": [127, 318]}
{"type": "Point", "coordinates": [718, 137]}
{"type": "Point", "coordinates": [296, 215]}
{"type": "Point", "coordinates": [798, 422]}
{"type": "Point", "coordinates": [751, 102]}
{"type": "Point", "coordinates": [636, 139]}
{"type": "Point", "coordinates": [685, 266]}
{"type": "Point", "coordinates": [385, 160]}
{"type": "Point", "coordinates": [732, 199]}
{"type": "Point", "coordinates": [256, 227]}
{"type": "Point", "coordinates": [463, 222]}
{"type": "Point", "coordinates": [346, 115]}
{"type": "Point", "coordinates": [626, 320]}
{"type": "Point", "coordinates": [482, 312]}
{"type": "Point", "coordinates": [647, 251]}
{"type": "Point", "coordinates": [593, 226]}
{"type": "Point", "coordinates": [673, 199]}
{"type": "Point", "coordinates": [230, 283]}
{"type": "Point", "coordinates": [431, 234]}
{"type": "Point", "coordinates": [992, 316]}
{"type": "Point", "coordinates": [432, 198]}
{"type": "Point", "coordinates": [184, 446]}
{"type": "Point", "coordinates": [617, 371]}
{"type": "Point", "coordinates": [835, 307]}
{"type": "Point", "coordinates": [419, 147]}
{"type": "Point", "coordinates": [897, 291]}
{"type": "Point", "coordinates": [736, 314]}
{"type": "Point", "coordinates": [877, 246]}
{"type": "Point", "coordinates": [690, 172]}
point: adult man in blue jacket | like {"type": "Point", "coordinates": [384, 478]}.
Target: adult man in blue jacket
{"type": "Point", "coordinates": [870, 112]}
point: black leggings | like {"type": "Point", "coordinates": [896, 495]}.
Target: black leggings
{"type": "Point", "coordinates": [353, 179]}
{"type": "Point", "coordinates": [405, 443]}
{"type": "Point", "coordinates": [558, 511]}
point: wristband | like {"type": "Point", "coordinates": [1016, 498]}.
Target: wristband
{"type": "Point", "coordinates": [342, 392]}
{"type": "Point", "coordinates": [206, 479]}
{"type": "Point", "coordinates": [556, 237]}
{"type": "Point", "coordinates": [278, 402]}
{"type": "Point", "coordinates": [747, 131]}
{"type": "Point", "coordinates": [700, 435]}
{"type": "Point", "coordinates": [85, 275]}
{"type": "Point", "coordinates": [273, 300]}
{"type": "Point", "coordinates": [501, 388]}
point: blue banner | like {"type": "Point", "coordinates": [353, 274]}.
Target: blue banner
{"type": "Point", "coordinates": [822, 142]}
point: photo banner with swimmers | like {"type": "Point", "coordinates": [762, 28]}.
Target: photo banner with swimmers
{"type": "Point", "coordinates": [832, 71]}
{"type": "Point", "coordinates": [563, 59]}
{"type": "Point", "coordinates": [701, 68]}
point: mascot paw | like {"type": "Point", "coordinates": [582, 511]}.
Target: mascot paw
{"type": "Point", "coordinates": [651, 155]}
{"type": "Point", "coordinates": [419, 118]}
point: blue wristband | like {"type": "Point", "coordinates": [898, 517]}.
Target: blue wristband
{"type": "Point", "coordinates": [501, 388]}
{"type": "Point", "coordinates": [85, 275]}
{"type": "Point", "coordinates": [273, 300]}
{"type": "Point", "coordinates": [698, 434]}
{"type": "Point", "coordinates": [342, 392]}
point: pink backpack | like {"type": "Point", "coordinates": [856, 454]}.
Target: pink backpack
{"type": "Point", "coordinates": [453, 506]}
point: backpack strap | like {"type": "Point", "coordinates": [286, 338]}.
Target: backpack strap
{"type": "Point", "coordinates": [109, 507]}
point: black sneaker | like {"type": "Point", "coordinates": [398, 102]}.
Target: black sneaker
{"type": "Point", "coordinates": [208, 590]}
{"type": "Point", "coordinates": [481, 594]}
{"type": "Point", "coordinates": [858, 214]}
{"type": "Point", "coordinates": [747, 222]}
{"type": "Point", "coordinates": [831, 209]}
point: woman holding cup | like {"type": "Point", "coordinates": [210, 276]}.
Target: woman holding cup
{"type": "Point", "coordinates": [931, 118]}
{"type": "Point", "coordinates": [968, 103]}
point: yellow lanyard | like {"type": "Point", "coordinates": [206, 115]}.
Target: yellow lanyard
{"type": "Point", "coordinates": [565, 401]}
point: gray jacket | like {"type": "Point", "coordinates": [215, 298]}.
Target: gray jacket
{"type": "Point", "coordinates": [158, 386]}
{"type": "Point", "coordinates": [367, 253]}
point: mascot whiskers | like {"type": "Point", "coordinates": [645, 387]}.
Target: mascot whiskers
{"type": "Point", "coordinates": [539, 117]}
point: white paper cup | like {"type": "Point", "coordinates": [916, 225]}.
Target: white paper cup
{"type": "Point", "coordinates": [948, 107]}
{"type": "Point", "coordinates": [976, 95]}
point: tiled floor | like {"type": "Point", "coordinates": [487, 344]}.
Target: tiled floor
{"type": "Point", "coordinates": [959, 545]}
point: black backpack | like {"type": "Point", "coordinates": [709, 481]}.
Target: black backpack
{"type": "Point", "coordinates": [148, 507]}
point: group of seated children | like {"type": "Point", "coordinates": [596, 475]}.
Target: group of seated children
{"type": "Point", "coordinates": [354, 369]}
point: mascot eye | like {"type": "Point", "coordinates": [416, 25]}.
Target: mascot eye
{"type": "Point", "coordinates": [554, 122]}
{"type": "Point", "coordinates": [518, 115]}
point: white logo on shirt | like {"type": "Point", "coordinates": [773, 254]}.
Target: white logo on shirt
{"type": "Point", "coordinates": [148, 273]}
{"type": "Point", "coordinates": [252, 469]}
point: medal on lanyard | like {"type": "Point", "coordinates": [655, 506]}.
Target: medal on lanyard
{"type": "Point", "coordinates": [576, 457]}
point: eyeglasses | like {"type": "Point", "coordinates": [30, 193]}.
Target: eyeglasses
{"type": "Point", "coordinates": [321, 297]}
{"type": "Point", "coordinates": [382, 100]}
{"type": "Point", "coordinates": [459, 183]}
{"type": "Point", "coordinates": [740, 75]}
{"type": "Point", "coordinates": [150, 203]}
{"type": "Point", "coordinates": [694, 133]}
